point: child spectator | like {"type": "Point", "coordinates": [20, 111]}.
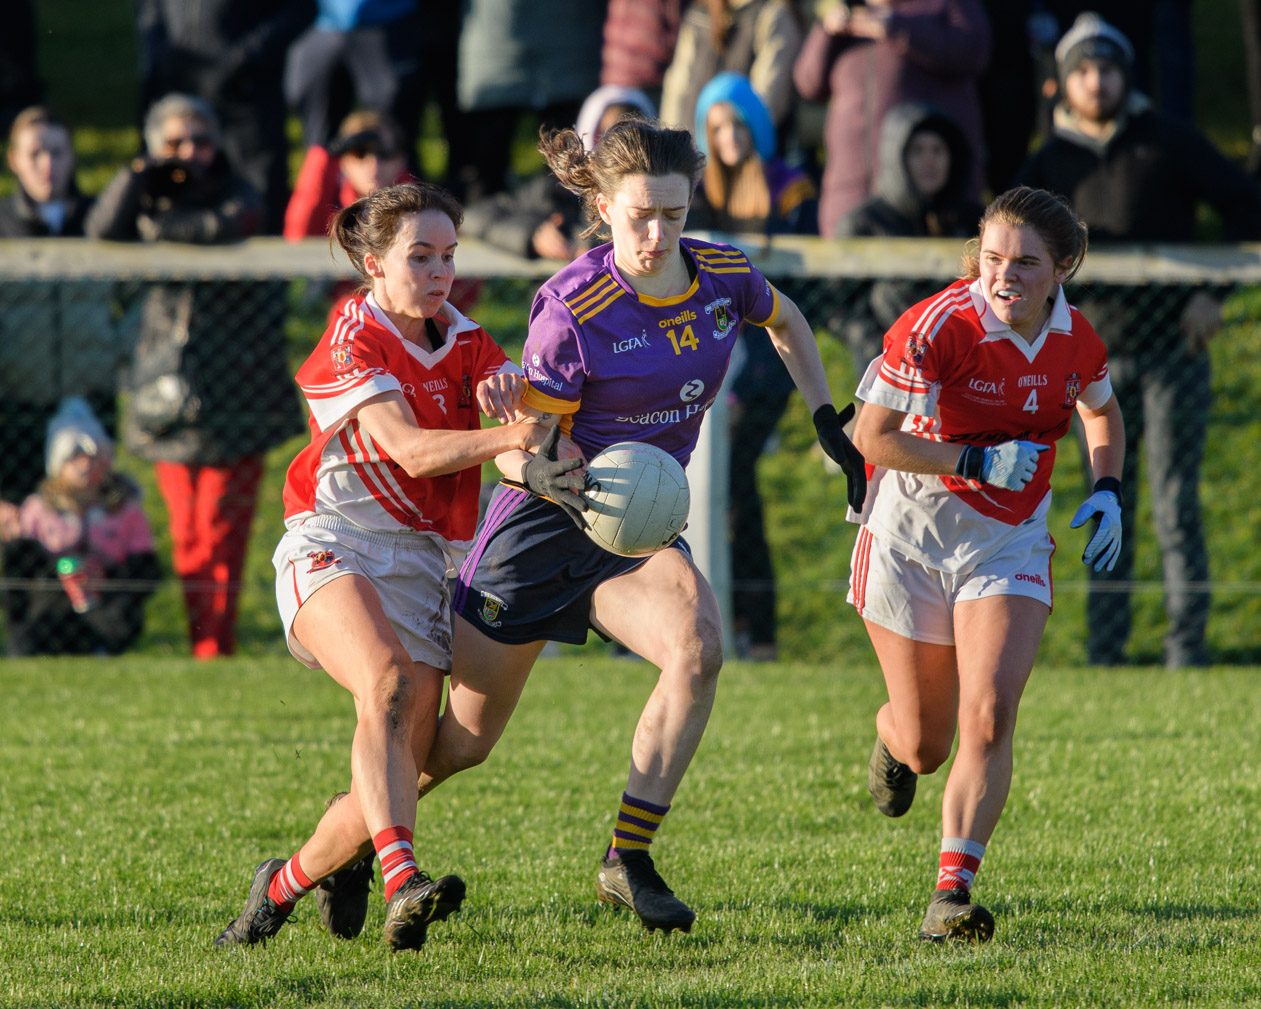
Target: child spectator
{"type": "Point", "coordinates": [84, 536]}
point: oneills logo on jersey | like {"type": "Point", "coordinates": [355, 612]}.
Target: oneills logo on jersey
{"type": "Point", "coordinates": [489, 614]}
{"type": "Point", "coordinates": [321, 559]}
{"type": "Point", "coordinates": [916, 348]}
{"type": "Point", "coordinates": [1072, 389]}
{"type": "Point", "coordinates": [723, 318]}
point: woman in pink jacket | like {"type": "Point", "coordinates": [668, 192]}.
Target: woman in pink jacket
{"type": "Point", "coordinates": [864, 59]}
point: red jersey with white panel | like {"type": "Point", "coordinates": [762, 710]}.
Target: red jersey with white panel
{"type": "Point", "coordinates": [343, 472]}
{"type": "Point", "coordinates": [962, 375]}
{"type": "Point", "coordinates": [622, 366]}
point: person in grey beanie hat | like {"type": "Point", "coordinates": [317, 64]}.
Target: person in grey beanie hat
{"type": "Point", "coordinates": [1092, 38]}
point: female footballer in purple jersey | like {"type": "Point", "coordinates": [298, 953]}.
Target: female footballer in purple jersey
{"type": "Point", "coordinates": [629, 342]}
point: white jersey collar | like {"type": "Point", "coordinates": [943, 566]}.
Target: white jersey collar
{"type": "Point", "coordinates": [1059, 321]}
{"type": "Point", "coordinates": [456, 321]}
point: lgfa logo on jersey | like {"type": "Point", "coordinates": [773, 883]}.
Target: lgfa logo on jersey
{"type": "Point", "coordinates": [724, 318]}
{"type": "Point", "coordinates": [632, 343]}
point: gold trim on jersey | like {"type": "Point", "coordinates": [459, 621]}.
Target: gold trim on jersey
{"type": "Point", "coordinates": [595, 298]}
{"type": "Point", "coordinates": [544, 403]}
{"type": "Point", "coordinates": [692, 288]}
{"type": "Point", "coordinates": [715, 260]}
{"type": "Point", "coordinates": [774, 316]}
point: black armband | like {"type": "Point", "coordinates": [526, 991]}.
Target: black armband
{"type": "Point", "coordinates": [1110, 483]}
{"type": "Point", "coordinates": [971, 462]}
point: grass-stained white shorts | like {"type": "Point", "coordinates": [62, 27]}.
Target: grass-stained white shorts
{"type": "Point", "coordinates": [917, 602]}
{"type": "Point", "coordinates": [408, 570]}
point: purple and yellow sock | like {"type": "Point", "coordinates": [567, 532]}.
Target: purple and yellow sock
{"type": "Point", "coordinates": [637, 822]}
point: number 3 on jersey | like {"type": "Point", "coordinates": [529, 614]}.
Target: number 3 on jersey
{"type": "Point", "coordinates": [688, 339]}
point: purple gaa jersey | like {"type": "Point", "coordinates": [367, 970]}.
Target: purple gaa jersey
{"type": "Point", "coordinates": [621, 366]}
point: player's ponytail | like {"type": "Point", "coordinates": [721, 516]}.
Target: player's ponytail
{"type": "Point", "coordinates": [631, 146]}
{"type": "Point", "coordinates": [371, 223]}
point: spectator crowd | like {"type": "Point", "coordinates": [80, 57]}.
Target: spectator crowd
{"type": "Point", "coordinates": [891, 118]}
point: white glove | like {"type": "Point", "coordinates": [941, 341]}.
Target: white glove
{"type": "Point", "coordinates": [1010, 465]}
{"type": "Point", "coordinates": [1105, 545]}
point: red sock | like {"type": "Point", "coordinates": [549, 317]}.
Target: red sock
{"type": "Point", "coordinates": [398, 860]}
{"type": "Point", "coordinates": [289, 883]}
{"type": "Point", "coordinates": [960, 859]}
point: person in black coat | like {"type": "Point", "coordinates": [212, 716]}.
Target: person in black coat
{"type": "Point", "coordinates": [1134, 175]}
{"type": "Point", "coordinates": [58, 337]}
{"type": "Point", "coordinates": [230, 53]}
{"type": "Point", "coordinates": [209, 387]}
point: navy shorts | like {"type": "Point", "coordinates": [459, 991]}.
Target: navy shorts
{"type": "Point", "coordinates": [531, 572]}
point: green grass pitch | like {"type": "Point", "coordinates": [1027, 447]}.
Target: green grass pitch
{"type": "Point", "coordinates": [138, 794]}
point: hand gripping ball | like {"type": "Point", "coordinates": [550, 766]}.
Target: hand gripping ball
{"type": "Point", "coordinates": [638, 499]}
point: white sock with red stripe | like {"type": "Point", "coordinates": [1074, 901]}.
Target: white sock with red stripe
{"type": "Point", "coordinates": [960, 860]}
{"type": "Point", "coordinates": [289, 883]}
{"type": "Point", "coordinates": [398, 860]}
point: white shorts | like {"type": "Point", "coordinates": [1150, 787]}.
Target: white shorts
{"type": "Point", "coordinates": [408, 570]}
{"type": "Point", "coordinates": [917, 602]}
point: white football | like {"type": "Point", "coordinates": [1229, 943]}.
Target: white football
{"type": "Point", "coordinates": [638, 499]}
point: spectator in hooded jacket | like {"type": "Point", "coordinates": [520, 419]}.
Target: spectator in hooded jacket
{"type": "Point", "coordinates": [919, 192]}
{"type": "Point", "coordinates": [864, 59]}
{"type": "Point", "coordinates": [58, 338]}
{"type": "Point", "coordinates": [1138, 176]}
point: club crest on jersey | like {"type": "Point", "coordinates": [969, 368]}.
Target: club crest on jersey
{"type": "Point", "coordinates": [916, 348]}
{"type": "Point", "coordinates": [320, 559]}
{"type": "Point", "coordinates": [466, 390]}
{"type": "Point", "coordinates": [343, 359]}
{"type": "Point", "coordinates": [1072, 389]}
{"type": "Point", "coordinates": [489, 614]}
{"type": "Point", "coordinates": [724, 319]}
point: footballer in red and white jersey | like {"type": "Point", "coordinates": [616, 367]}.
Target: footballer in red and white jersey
{"type": "Point", "coordinates": [961, 375]}
{"type": "Point", "coordinates": [343, 472]}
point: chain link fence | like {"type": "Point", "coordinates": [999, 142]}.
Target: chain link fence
{"type": "Point", "coordinates": [186, 354]}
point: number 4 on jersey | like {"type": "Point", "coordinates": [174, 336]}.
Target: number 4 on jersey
{"type": "Point", "coordinates": [1031, 404]}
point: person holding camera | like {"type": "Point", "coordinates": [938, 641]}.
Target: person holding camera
{"type": "Point", "coordinates": [208, 387]}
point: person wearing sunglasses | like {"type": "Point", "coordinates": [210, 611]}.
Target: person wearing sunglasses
{"type": "Point", "coordinates": [208, 387]}
{"type": "Point", "coordinates": [368, 153]}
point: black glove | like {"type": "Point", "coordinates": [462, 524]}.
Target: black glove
{"type": "Point", "coordinates": [555, 479]}
{"type": "Point", "coordinates": [828, 424]}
